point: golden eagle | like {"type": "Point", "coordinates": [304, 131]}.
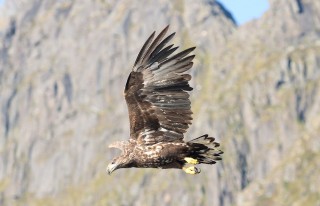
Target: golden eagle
{"type": "Point", "coordinates": [160, 112]}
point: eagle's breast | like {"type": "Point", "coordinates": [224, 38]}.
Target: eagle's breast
{"type": "Point", "coordinates": [153, 151]}
{"type": "Point", "coordinates": [158, 155]}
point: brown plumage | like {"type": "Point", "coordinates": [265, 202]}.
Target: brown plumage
{"type": "Point", "coordinates": [159, 108]}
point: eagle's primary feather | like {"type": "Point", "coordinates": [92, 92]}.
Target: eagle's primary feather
{"type": "Point", "coordinates": [159, 108]}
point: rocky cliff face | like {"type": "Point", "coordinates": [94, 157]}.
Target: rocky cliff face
{"type": "Point", "coordinates": [63, 66]}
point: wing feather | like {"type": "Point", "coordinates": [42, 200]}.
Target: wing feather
{"type": "Point", "coordinates": [160, 46]}
{"type": "Point", "coordinates": [157, 92]}
{"type": "Point", "coordinates": [153, 45]}
{"type": "Point", "coordinates": [143, 49]}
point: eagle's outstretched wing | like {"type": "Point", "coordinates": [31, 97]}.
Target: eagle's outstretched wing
{"type": "Point", "coordinates": [156, 92]}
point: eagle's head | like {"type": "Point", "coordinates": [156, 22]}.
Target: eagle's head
{"type": "Point", "coordinates": [117, 163]}
{"type": "Point", "coordinates": [122, 161]}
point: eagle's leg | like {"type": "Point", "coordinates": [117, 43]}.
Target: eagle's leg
{"type": "Point", "coordinates": [191, 170]}
{"type": "Point", "coordinates": [190, 160]}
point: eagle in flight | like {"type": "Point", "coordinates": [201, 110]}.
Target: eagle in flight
{"type": "Point", "coordinates": [159, 108]}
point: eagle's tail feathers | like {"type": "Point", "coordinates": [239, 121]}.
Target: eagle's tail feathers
{"type": "Point", "coordinates": [205, 150]}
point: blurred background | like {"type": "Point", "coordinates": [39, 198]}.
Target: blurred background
{"type": "Point", "coordinates": [256, 79]}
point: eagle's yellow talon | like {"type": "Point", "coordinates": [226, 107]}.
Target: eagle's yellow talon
{"type": "Point", "coordinates": [190, 160]}
{"type": "Point", "coordinates": [191, 170]}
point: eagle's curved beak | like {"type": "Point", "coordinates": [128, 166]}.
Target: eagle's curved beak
{"type": "Point", "coordinates": [111, 167]}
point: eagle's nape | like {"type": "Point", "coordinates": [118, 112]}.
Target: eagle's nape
{"type": "Point", "coordinates": [159, 108]}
